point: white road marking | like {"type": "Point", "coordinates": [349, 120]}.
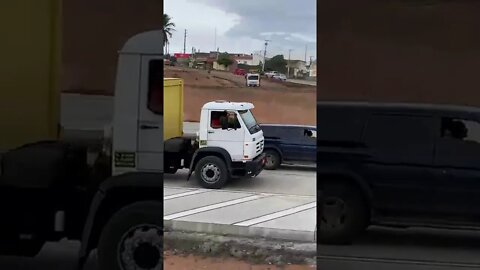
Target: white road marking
{"type": "Point", "coordinates": [183, 194]}
{"type": "Point", "coordinates": [276, 215]}
{"type": "Point", "coordinates": [211, 207]}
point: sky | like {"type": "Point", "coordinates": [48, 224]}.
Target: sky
{"type": "Point", "coordinates": [242, 26]}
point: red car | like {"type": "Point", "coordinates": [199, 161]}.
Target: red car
{"type": "Point", "coordinates": [240, 71]}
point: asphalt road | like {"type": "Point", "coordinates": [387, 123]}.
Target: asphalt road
{"type": "Point", "coordinates": [288, 180]}
{"type": "Point", "coordinates": [414, 248]}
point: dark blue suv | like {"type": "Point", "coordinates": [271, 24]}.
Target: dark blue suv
{"type": "Point", "coordinates": [289, 144]}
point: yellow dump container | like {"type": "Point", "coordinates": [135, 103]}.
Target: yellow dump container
{"type": "Point", "coordinates": [29, 68]}
{"type": "Point", "coordinates": [173, 108]}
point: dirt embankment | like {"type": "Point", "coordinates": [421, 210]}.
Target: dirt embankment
{"type": "Point", "coordinates": [275, 102]}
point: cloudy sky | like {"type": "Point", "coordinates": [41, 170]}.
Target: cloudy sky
{"type": "Point", "coordinates": [243, 25]}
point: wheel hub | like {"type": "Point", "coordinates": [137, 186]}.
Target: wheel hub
{"type": "Point", "coordinates": [210, 173]}
{"type": "Point", "coordinates": [141, 248]}
{"type": "Point", "coordinates": [334, 213]}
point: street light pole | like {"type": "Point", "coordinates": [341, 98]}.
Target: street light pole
{"type": "Point", "coordinates": [265, 55]}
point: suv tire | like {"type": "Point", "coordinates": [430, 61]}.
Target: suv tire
{"type": "Point", "coordinates": [211, 172]}
{"type": "Point", "coordinates": [344, 213]}
{"type": "Point", "coordinates": [274, 161]}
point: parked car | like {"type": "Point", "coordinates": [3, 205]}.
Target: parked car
{"type": "Point", "coordinates": [270, 74]}
{"type": "Point", "coordinates": [289, 144]}
{"type": "Point", "coordinates": [280, 77]}
{"type": "Point", "coordinates": [240, 71]}
{"type": "Point", "coordinates": [252, 80]}
{"type": "Point", "coordinates": [397, 165]}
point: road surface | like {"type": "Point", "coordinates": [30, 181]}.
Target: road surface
{"type": "Point", "coordinates": [290, 180]}
{"type": "Point", "coordinates": [314, 83]}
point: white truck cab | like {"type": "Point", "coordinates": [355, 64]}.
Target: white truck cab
{"type": "Point", "coordinates": [252, 79]}
{"type": "Point", "coordinates": [243, 141]}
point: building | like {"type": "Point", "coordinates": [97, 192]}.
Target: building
{"type": "Point", "coordinates": [247, 59]}
{"type": "Point", "coordinates": [93, 32]}
{"type": "Point", "coordinates": [298, 68]}
{"type": "Point", "coordinates": [312, 69]}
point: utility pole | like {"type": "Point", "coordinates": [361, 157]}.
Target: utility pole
{"type": "Point", "coordinates": [215, 41]}
{"type": "Point", "coordinates": [184, 41]}
{"type": "Point", "coordinates": [306, 46]}
{"type": "Point", "coordinates": [265, 54]}
{"type": "Point", "coordinates": [288, 65]}
{"type": "Point", "coordinates": [311, 60]}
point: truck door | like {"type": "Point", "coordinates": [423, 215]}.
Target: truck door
{"type": "Point", "coordinates": [150, 116]}
{"type": "Point", "coordinates": [228, 139]}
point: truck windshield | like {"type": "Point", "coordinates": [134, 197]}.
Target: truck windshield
{"type": "Point", "coordinates": [249, 121]}
{"type": "Point", "coordinates": [253, 77]}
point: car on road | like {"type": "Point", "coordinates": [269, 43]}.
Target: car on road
{"type": "Point", "coordinates": [252, 80]}
{"type": "Point", "coordinates": [240, 71]}
{"type": "Point", "coordinates": [270, 74]}
{"type": "Point", "coordinates": [397, 165]}
{"type": "Point", "coordinates": [289, 144]}
{"type": "Point", "coordinates": [280, 77]}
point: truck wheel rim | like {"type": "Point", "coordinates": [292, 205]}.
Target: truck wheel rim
{"type": "Point", "coordinates": [270, 160]}
{"type": "Point", "coordinates": [334, 214]}
{"type": "Point", "coordinates": [141, 248]}
{"type": "Point", "coordinates": [210, 173]}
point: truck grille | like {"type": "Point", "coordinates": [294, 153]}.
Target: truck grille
{"type": "Point", "coordinates": [259, 146]}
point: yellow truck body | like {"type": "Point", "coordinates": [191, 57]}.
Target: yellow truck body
{"type": "Point", "coordinates": [172, 108]}
{"type": "Point", "coordinates": [29, 71]}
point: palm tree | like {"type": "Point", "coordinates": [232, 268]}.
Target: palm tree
{"type": "Point", "coordinates": [168, 28]}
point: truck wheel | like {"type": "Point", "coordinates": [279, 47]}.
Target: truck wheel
{"type": "Point", "coordinates": [344, 214]}
{"type": "Point", "coordinates": [211, 172]}
{"type": "Point", "coordinates": [132, 238]}
{"type": "Point", "coordinates": [273, 159]}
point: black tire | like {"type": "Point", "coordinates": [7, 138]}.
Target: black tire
{"type": "Point", "coordinates": [140, 222]}
{"type": "Point", "coordinates": [208, 165]}
{"type": "Point", "coordinates": [273, 159]}
{"type": "Point", "coordinates": [344, 214]}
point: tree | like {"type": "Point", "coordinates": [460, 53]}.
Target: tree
{"type": "Point", "coordinates": [276, 63]}
{"type": "Point", "coordinates": [168, 28]}
{"type": "Point", "coordinates": [224, 59]}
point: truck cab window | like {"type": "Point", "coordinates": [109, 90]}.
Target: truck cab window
{"type": "Point", "coordinates": [459, 129]}
{"type": "Point", "coordinates": [224, 120]}
{"type": "Point", "coordinates": [155, 87]}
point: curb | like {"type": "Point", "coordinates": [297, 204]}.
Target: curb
{"type": "Point", "coordinates": [242, 231]}
{"type": "Point", "coordinates": [253, 250]}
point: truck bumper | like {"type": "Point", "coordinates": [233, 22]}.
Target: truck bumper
{"type": "Point", "coordinates": [255, 167]}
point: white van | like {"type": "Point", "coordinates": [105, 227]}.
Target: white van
{"type": "Point", "coordinates": [252, 79]}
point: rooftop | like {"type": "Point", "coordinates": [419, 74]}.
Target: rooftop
{"type": "Point", "coordinates": [226, 105]}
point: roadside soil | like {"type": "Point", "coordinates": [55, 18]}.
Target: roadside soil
{"type": "Point", "coordinates": [275, 102]}
{"type": "Point", "coordinates": [191, 262]}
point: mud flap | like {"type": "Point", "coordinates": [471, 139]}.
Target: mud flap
{"type": "Point", "coordinates": [190, 170]}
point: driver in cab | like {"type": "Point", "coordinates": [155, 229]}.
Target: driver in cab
{"type": "Point", "coordinates": [229, 120]}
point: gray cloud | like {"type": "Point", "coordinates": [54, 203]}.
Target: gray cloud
{"type": "Point", "coordinates": [289, 24]}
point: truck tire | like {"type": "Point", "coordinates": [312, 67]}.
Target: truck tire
{"type": "Point", "coordinates": [211, 172]}
{"type": "Point", "coordinates": [344, 214]}
{"type": "Point", "coordinates": [273, 159]}
{"type": "Point", "coordinates": [132, 238]}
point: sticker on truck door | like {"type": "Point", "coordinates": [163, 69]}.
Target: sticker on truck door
{"type": "Point", "coordinates": [124, 159]}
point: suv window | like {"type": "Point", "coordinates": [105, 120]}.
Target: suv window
{"type": "Point", "coordinates": [155, 87]}
{"type": "Point", "coordinates": [459, 129]}
{"type": "Point", "coordinates": [459, 144]}
{"type": "Point", "coordinates": [399, 138]}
